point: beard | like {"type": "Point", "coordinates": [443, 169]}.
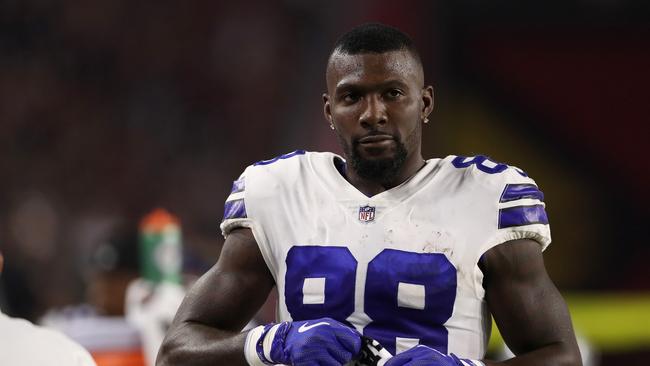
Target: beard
{"type": "Point", "coordinates": [382, 170]}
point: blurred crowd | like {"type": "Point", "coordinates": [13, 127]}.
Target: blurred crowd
{"type": "Point", "coordinates": [109, 109]}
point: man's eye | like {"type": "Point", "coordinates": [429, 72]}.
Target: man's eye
{"type": "Point", "coordinates": [350, 98]}
{"type": "Point", "coordinates": [394, 93]}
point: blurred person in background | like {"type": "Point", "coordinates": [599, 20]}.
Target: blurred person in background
{"type": "Point", "coordinates": [25, 344]}
{"type": "Point", "coordinates": [153, 298]}
{"type": "Point", "coordinates": [99, 323]}
{"type": "Point", "coordinates": [411, 253]}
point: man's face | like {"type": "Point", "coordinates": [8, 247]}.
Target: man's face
{"type": "Point", "coordinates": [377, 103]}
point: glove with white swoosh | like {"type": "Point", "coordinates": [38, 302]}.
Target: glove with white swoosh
{"type": "Point", "coordinates": [315, 342]}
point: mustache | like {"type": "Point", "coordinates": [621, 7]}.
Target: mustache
{"type": "Point", "coordinates": [356, 140]}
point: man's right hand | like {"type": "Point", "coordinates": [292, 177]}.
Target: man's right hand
{"type": "Point", "coordinates": [322, 341]}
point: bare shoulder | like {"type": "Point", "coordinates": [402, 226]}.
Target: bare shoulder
{"type": "Point", "coordinates": [513, 260]}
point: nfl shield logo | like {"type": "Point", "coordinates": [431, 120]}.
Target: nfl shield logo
{"type": "Point", "coordinates": [366, 213]}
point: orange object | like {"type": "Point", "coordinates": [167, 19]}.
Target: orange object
{"type": "Point", "coordinates": [119, 358]}
{"type": "Point", "coordinates": [157, 220]}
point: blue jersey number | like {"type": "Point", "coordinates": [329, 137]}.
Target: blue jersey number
{"type": "Point", "coordinates": [484, 164]}
{"type": "Point", "coordinates": [392, 277]}
{"type": "Point", "coordinates": [339, 269]}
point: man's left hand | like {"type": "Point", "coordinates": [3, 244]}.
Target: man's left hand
{"type": "Point", "coordinates": [421, 355]}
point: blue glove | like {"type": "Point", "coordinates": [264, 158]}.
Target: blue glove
{"type": "Point", "coordinates": [315, 342]}
{"type": "Point", "coordinates": [421, 355]}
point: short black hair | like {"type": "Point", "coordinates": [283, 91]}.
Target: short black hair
{"type": "Point", "coordinates": [374, 38]}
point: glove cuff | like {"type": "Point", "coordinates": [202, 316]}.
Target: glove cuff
{"type": "Point", "coordinates": [272, 338]}
{"type": "Point", "coordinates": [250, 347]}
{"type": "Point", "coordinates": [261, 340]}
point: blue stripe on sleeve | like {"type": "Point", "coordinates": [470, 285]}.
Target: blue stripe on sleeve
{"type": "Point", "coordinates": [235, 210]}
{"type": "Point", "coordinates": [237, 186]}
{"type": "Point", "coordinates": [522, 215]}
{"type": "Point", "coordinates": [514, 192]}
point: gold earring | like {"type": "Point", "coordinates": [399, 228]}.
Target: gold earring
{"type": "Point", "coordinates": [331, 125]}
{"type": "Point", "coordinates": [426, 120]}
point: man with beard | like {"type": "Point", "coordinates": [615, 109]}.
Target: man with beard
{"type": "Point", "coordinates": [382, 248]}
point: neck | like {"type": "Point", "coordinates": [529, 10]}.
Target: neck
{"type": "Point", "coordinates": [371, 187]}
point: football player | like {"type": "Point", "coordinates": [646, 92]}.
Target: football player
{"type": "Point", "coordinates": [23, 343]}
{"type": "Point", "coordinates": [379, 247]}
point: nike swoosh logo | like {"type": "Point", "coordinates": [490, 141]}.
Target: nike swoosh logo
{"type": "Point", "coordinates": [303, 328]}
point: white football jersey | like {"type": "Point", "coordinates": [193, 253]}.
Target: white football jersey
{"type": "Point", "coordinates": [400, 266]}
{"type": "Point", "coordinates": [25, 344]}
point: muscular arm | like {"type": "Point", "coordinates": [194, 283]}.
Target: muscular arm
{"type": "Point", "coordinates": [529, 310]}
{"type": "Point", "coordinates": [206, 329]}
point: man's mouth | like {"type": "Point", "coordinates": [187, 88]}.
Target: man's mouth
{"type": "Point", "coordinates": [375, 139]}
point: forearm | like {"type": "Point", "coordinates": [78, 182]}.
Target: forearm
{"type": "Point", "coordinates": [556, 354]}
{"type": "Point", "coordinates": [195, 344]}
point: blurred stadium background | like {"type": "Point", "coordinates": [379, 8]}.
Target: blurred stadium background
{"type": "Point", "coordinates": [111, 108]}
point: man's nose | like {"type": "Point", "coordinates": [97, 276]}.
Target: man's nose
{"type": "Point", "coordinates": [374, 112]}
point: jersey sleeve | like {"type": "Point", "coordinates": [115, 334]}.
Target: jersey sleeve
{"type": "Point", "coordinates": [260, 200]}
{"type": "Point", "coordinates": [234, 213]}
{"type": "Point", "coordinates": [520, 210]}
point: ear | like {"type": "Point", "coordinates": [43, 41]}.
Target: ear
{"type": "Point", "coordinates": [327, 111]}
{"type": "Point", "coordinates": [427, 101]}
